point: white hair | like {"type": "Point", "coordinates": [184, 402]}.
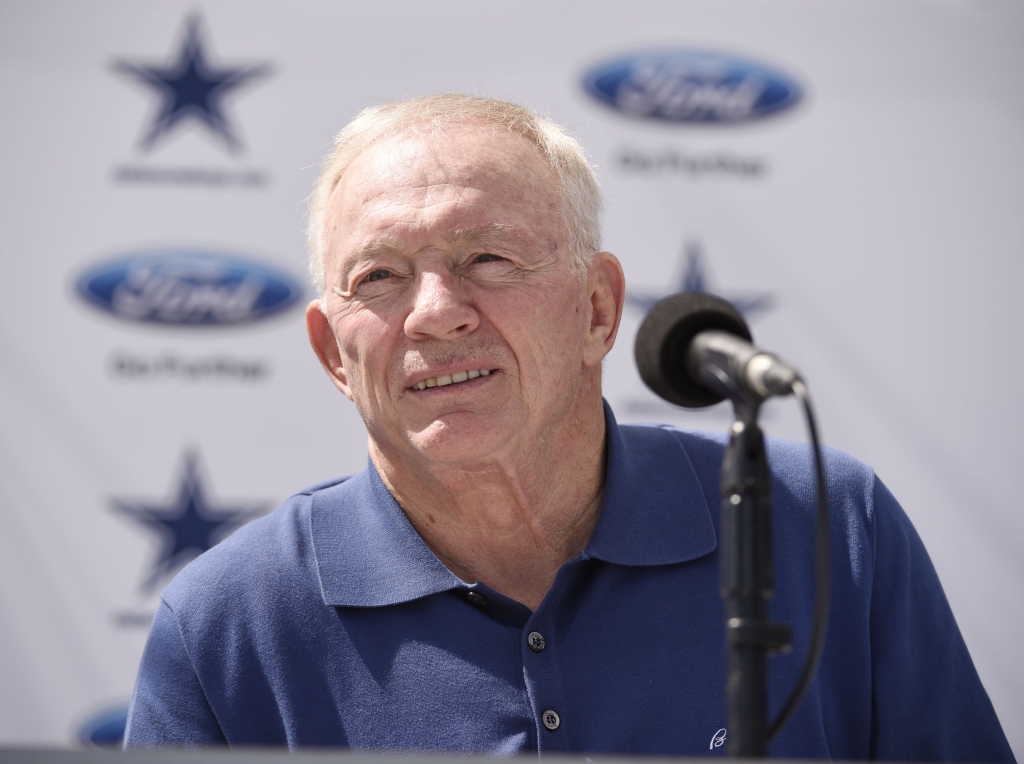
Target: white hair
{"type": "Point", "coordinates": [578, 188]}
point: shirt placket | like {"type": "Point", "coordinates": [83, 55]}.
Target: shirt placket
{"type": "Point", "coordinates": [543, 675]}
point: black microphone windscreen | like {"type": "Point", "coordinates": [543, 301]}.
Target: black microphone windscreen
{"type": "Point", "coordinates": [664, 338]}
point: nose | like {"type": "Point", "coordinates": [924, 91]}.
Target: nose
{"type": "Point", "coordinates": [440, 310]}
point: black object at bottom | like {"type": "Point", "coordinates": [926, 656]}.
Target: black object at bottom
{"type": "Point", "coordinates": [284, 756]}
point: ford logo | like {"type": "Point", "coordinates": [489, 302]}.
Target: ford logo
{"type": "Point", "coordinates": [188, 288]}
{"type": "Point", "coordinates": [692, 87]}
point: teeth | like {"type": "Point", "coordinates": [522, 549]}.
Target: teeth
{"type": "Point", "coordinates": [451, 379]}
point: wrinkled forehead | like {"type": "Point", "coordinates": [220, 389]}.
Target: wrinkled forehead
{"type": "Point", "coordinates": [475, 176]}
{"type": "Point", "coordinates": [484, 157]}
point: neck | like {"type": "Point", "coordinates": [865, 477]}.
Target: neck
{"type": "Point", "coordinates": [513, 519]}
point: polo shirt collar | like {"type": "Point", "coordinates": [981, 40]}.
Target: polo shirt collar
{"type": "Point", "coordinates": [367, 552]}
{"type": "Point", "coordinates": [654, 513]}
{"type": "Point", "coordinates": [654, 510]}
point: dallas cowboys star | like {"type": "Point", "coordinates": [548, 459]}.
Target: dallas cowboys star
{"type": "Point", "coordinates": [190, 88]}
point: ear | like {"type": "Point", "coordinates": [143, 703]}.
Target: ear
{"type": "Point", "coordinates": [325, 345]}
{"type": "Point", "coordinates": [606, 289]}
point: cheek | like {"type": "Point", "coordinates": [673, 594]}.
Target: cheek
{"type": "Point", "coordinates": [547, 328]}
{"type": "Point", "coordinates": [365, 341]}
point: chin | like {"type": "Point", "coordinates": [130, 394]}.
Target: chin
{"type": "Point", "coordinates": [461, 438]}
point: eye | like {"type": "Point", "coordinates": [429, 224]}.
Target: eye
{"type": "Point", "coordinates": [377, 275]}
{"type": "Point", "coordinates": [487, 257]}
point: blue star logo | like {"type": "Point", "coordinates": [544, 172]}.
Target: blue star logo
{"type": "Point", "coordinates": [190, 88]}
{"type": "Point", "coordinates": [695, 279]}
{"type": "Point", "coordinates": [187, 526]}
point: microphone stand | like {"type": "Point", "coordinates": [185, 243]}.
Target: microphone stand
{"type": "Point", "coordinates": [695, 350]}
{"type": "Point", "coordinates": [747, 582]}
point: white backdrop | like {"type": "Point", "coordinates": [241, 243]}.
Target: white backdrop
{"type": "Point", "coordinates": [874, 229]}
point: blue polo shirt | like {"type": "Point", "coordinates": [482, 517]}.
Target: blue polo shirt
{"type": "Point", "coordinates": [330, 623]}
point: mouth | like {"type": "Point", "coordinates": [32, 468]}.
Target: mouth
{"type": "Point", "coordinates": [456, 378]}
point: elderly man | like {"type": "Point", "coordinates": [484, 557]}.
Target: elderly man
{"type": "Point", "coordinates": [514, 571]}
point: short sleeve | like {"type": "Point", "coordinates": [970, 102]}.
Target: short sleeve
{"type": "Point", "coordinates": [169, 707]}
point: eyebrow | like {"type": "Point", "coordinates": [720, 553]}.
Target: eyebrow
{"type": "Point", "coordinates": [373, 251]}
{"type": "Point", "coordinates": [455, 237]}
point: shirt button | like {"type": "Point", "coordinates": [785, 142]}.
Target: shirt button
{"type": "Point", "coordinates": [550, 719]}
{"type": "Point", "coordinates": [476, 599]}
{"type": "Point", "coordinates": [536, 641]}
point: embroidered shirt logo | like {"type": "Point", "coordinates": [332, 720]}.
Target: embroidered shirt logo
{"type": "Point", "coordinates": [718, 739]}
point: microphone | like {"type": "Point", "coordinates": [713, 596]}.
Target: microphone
{"type": "Point", "coordinates": [694, 350]}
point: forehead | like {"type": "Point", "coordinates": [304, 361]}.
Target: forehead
{"type": "Point", "coordinates": [471, 176]}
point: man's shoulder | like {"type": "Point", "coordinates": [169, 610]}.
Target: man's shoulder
{"type": "Point", "coordinates": [265, 557]}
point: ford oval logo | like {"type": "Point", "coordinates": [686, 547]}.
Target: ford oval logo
{"type": "Point", "coordinates": [692, 87]}
{"type": "Point", "coordinates": [188, 288]}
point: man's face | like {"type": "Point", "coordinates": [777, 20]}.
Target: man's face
{"type": "Point", "coordinates": [460, 324]}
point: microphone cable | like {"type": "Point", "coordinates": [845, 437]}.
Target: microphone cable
{"type": "Point", "coordinates": [823, 572]}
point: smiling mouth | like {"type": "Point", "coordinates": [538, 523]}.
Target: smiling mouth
{"type": "Point", "coordinates": [451, 379]}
